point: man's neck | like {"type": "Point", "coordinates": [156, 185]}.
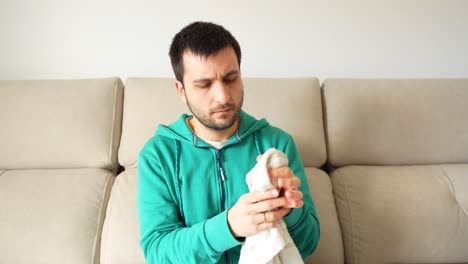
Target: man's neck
{"type": "Point", "coordinates": [211, 134]}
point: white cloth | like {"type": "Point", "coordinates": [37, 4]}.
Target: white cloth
{"type": "Point", "coordinates": [274, 246]}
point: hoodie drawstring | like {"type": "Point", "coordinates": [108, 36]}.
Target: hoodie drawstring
{"type": "Point", "coordinates": [177, 181]}
{"type": "Point", "coordinates": [256, 143]}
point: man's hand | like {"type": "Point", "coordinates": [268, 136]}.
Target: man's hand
{"type": "Point", "coordinates": [287, 183]}
{"type": "Point", "coordinates": [256, 212]}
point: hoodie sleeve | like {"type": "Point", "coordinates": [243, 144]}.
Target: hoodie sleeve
{"type": "Point", "coordinates": [303, 224]}
{"type": "Point", "coordinates": [164, 238]}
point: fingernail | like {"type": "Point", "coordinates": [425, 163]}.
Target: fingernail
{"type": "Point", "coordinates": [274, 192]}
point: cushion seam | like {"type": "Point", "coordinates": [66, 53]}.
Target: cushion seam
{"type": "Point", "coordinates": [99, 224]}
{"type": "Point", "coordinates": [104, 254]}
{"type": "Point", "coordinates": [351, 218]}
{"type": "Point", "coordinates": [453, 191]}
{"type": "Point", "coordinates": [326, 123]}
{"type": "Point", "coordinates": [114, 110]}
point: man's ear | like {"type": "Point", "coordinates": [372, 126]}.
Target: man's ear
{"type": "Point", "coordinates": [180, 90]}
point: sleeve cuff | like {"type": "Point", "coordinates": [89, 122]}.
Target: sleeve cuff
{"type": "Point", "coordinates": [293, 217]}
{"type": "Point", "coordinates": [218, 234]}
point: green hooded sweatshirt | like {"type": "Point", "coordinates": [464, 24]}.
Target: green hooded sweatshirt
{"type": "Point", "coordinates": [186, 187]}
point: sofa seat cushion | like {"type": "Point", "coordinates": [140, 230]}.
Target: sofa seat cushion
{"type": "Point", "coordinates": [403, 214]}
{"type": "Point", "coordinates": [330, 247]}
{"type": "Point", "coordinates": [52, 216]}
{"type": "Point", "coordinates": [121, 232]}
{"type": "Point", "coordinates": [120, 235]}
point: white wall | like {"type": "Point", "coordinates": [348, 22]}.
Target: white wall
{"type": "Point", "coordinates": [377, 39]}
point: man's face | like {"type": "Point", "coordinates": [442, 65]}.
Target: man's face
{"type": "Point", "coordinates": [213, 88]}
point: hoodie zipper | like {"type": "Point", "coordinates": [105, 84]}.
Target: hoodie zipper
{"type": "Point", "coordinates": [222, 178]}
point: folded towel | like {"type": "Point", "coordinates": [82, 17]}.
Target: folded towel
{"type": "Point", "coordinates": [274, 246]}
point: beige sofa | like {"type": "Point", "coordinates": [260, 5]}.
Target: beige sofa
{"type": "Point", "coordinates": [386, 161]}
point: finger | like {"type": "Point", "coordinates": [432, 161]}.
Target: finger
{"type": "Point", "coordinates": [294, 204]}
{"type": "Point", "coordinates": [260, 196]}
{"type": "Point", "coordinates": [285, 178]}
{"type": "Point", "coordinates": [259, 157]}
{"type": "Point", "coordinates": [271, 204]}
{"type": "Point", "coordinates": [289, 183]}
{"type": "Point", "coordinates": [282, 172]}
{"type": "Point", "coordinates": [275, 215]}
{"type": "Point", "coordinates": [293, 195]}
{"type": "Point", "coordinates": [265, 226]}
{"type": "Point", "coordinates": [260, 218]}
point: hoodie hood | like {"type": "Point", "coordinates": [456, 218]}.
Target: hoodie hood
{"type": "Point", "coordinates": [181, 132]}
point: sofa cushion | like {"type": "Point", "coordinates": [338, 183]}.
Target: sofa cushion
{"type": "Point", "coordinates": [396, 122]}
{"type": "Point", "coordinates": [294, 105]}
{"type": "Point", "coordinates": [52, 216]}
{"type": "Point", "coordinates": [60, 123]}
{"type": "Point", "coordinates": [330, 247]}
{"type": "Point", "coordinates": [120, 235]}
{"type": "Point", "coordinates": [403, 214]}
{"type": "Point", "coordinates": [291, 104]}
{"type": "Point", "coordinates": [148, 102]}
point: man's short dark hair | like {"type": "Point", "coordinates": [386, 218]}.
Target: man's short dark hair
{"type": "Point", "coordinates": [202, 39]}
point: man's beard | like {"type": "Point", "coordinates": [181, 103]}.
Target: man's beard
{"type": "Point", "coordinates": [208, 122]}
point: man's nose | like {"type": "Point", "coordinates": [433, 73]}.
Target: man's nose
{"type": "Point", "coordinates": [222, 95]}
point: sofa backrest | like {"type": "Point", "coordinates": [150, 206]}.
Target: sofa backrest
{"type": "Point", "coordinates": [147, 103]}
{"type": "Point", "coordinates": [60, 123]}
{"type": "Point", "coordinates": [396, 122]}
{"type": "Point", "coordinates": [398, 198]}
{"type": "Point", "coordinates": [291, 104]}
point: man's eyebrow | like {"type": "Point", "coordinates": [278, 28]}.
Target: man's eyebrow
{"type": "Point", "coordinates": [231, 73]}
{"type": "Point", "coordinates": [202, 80]}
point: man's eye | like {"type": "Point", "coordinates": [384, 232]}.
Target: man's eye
{"type": "Point", "coordinates": [203, 85]}
{"type": "Point", "coordinates": [230, 80]}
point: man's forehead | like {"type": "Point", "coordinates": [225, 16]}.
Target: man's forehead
{"type": "Point", "coordinates": [198, 64]}
{"type": "Point", "coordinates": [191, 54]}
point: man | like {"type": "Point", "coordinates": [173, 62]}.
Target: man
{"type": "Point", "coordinates": [193, 202]}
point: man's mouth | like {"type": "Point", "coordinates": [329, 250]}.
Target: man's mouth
{"type": "Point", "coordinates": [223, 110]}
